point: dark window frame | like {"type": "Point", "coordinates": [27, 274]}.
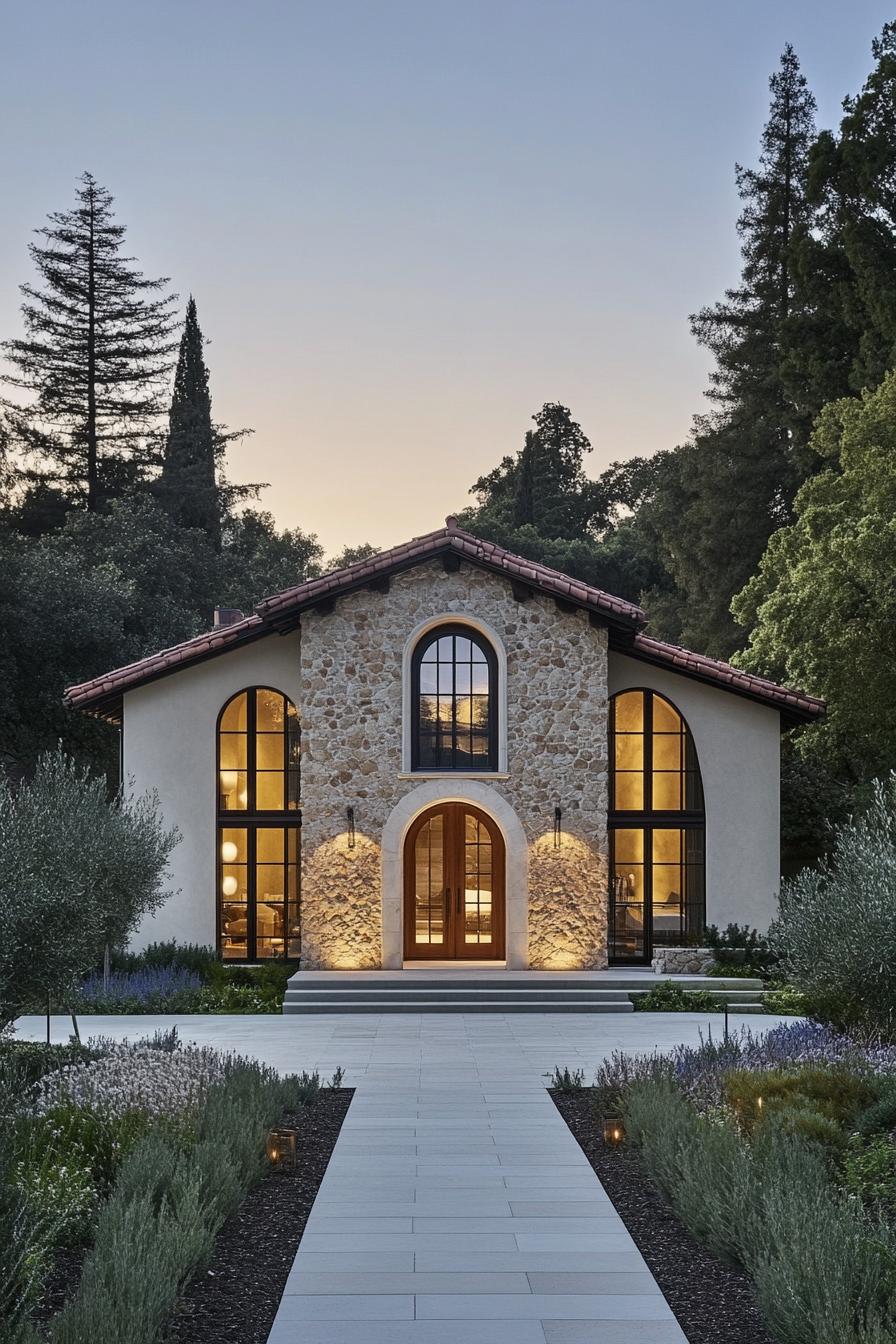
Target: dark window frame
{"type": "Point", "coordinates": [252, 819]}
{"type": "Point", "coordinates": [647, 819]}
{"type": "Point", "coordinates": [459, 630]}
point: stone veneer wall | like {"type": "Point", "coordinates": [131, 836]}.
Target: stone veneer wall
{"type": "Point", "coordinates": [350, 704]}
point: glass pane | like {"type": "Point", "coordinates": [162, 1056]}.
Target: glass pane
{"type": "Point", "coordinates": [234, 932]}
{"type": "Point", "coordinates": [269, 842]}
{"type": "Point", "coordinates": [629, 846]}
{"type": "Point", "coordinates": [665, 718]}
{"type": "Point", "coordinates": [234, 847]}
{"type": "Point", "coordinates": [234, 748]}
{"type": "Point", "coordinates": [666, 751]}
{"type": "Point", "coordinates": [627, 922]}
{"type": "Point", "coordinates": [666, 846]}
{"type": "Point", "coordinates": [269, 791]}
{"type": "Point", "coordinates": [270, 712]}
{"type": "Point", "coordinates": [477, 881]}
{"type": "Point", "coordinates": [629, 791]}
{"type": "Point", "coordinates": [428, 679]}
{"type": "Point", "coordinates": [429, 882]}
{"type": "Point", "coordinates": [629, 751]}
{"type": "Point", "coordinates": [667, 792]}
{"type": "Point", "coordinates": [233, 788]}
{"type": "Point", "coordinates": [293, 790]}
{"type": "Point", "coordinates": [462, 649]}
{"type": "Point", "coordinates": [233, 720]}
{"type": "Point", "coordinates": [479, 677]}
{"type": "Point", "coordinates": [629, 712]}
{"type": "Point", "coordinates": [269, 751]}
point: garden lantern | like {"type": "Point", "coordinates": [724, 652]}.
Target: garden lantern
{"type": "Point", "coordinates": [281, 1149]}
{"type": "Point", "coordinates": [614, 1130]}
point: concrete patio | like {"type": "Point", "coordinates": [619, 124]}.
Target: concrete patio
{"type": "Point", "coordinates": [457, 1208]}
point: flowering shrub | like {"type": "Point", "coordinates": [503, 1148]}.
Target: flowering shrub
{"type": "Point", "coordinates": [156, 1082]}
{"type": "Point", "coordinates": [170, 989]}
{"type": "Point", "coordinates": [699, 1071]}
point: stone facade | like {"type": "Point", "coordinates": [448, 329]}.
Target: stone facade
{"type": "Point", "coordinates": [351, 703]}
{"type": "Point", "coordinates": [682, 960]}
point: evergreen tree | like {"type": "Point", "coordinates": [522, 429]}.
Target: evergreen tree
{"type": "Point", "coordinates": [847, 337]}
{"type": "Point", "coordinates": [727, 491]}
{"type": "Point", "coordinates": [94, 357]}
{"type": "Point", "coordinates": [544, 487]}
{"type": "Point", "coordinates": [188, 485]}
{"type": "Point", "coordinates": [747, 331]}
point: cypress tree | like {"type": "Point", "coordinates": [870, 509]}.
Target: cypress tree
{"type": "Point", "coordinates": [188, 486]}
{"type": "Point", "coordinates": [94, 357]}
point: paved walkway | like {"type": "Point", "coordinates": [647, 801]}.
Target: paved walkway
{"type": "Point", "coordinates": [457, 1208]}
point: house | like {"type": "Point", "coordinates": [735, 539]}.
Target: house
{"type": "Point", "coordinates": [450, 753]}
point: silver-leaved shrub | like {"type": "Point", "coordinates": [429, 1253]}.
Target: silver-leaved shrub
{"type": "Point", "coordinates": [836, 934]}
{"type": "Point", "coordinates": [154, 1082]}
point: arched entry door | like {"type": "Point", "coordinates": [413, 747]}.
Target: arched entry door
{"type": "Point", "coordinates": [454, 886]}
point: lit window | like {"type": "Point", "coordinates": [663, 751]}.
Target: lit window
{"type": "Point", "coordinates": [657, 828]}
{"type": "Point", "coordinates": [258, 859]}
{"type": "Point", "coordinates": [453, 687]}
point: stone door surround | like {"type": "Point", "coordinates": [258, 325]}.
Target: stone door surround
{"type": "Point", "coordinates": [517, 862]}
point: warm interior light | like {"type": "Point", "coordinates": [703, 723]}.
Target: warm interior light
{"type": "Point", "coordinates": [229, 781]}
{"type": "Point", "coordinates": [244, 798]}
{"type": "Point", "coordinates": [229, 886]}
{"type": "Point", "coordinates": [229, 852]}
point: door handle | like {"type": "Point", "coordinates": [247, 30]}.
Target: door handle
{"type": "Point", "coordinates": [460, 908]}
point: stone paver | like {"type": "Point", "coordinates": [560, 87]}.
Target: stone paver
{"type": "Point", "coordinates": [457, 1208]}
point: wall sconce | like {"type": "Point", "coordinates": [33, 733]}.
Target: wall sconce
{"type": "Point", "coordinates": [281, 1149]}
{"type": "Point", "coordinates": [350, 814]}
{"type": "Point", "coordinates": [614, 1131]}
{"type": "Point", "coordinates": [558, 817]}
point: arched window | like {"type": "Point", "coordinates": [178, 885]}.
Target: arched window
{"type": "Point", "coordinates": [454, 722]}
{"type": "Point", "coordinates": [657, 828]}
{"type": "Point", "coordinates": [258, 826]}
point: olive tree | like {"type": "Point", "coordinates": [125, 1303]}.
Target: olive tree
{"type": "Point", "coordinates": [78, 873]}
{"type": "Point", "coordinates": [836, 933]}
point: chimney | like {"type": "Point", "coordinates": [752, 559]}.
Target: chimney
{"type": "Point", "coordinates": [227, 616]}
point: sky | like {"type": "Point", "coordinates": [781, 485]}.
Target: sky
{"type": "Point", "coordinates": [407, 225]}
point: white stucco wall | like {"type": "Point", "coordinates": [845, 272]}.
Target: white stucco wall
{"type": "Point", "coordinates": [169, 746]}
{"type": "Point", "coordinates": [739, 749]}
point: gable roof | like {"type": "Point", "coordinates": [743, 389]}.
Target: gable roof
{"type": "Point", "coordinates": [102, 696]}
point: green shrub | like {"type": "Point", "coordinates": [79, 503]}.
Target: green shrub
{"type": "Point", "coordinates": [824, 1273]}
{"type": "Point", "coordinates": [668, 997]}
{"type": "Point", "coordinates": [227, 998]}
{"type": "Point", "coordinates": [850, 980]}
{"type": "Point", "coordinates": [837, 1093]}
{"type": "Point", "coordinates": [869, 1171]}
{"type": "Point", "coordinates": [26, 1236]}
{"type": "Point", "coordinates": [881, 1114]}
{"type": "Point", "coordinates": [786, 1001]}
{"type": "Point", "coordinates": [740, 950]}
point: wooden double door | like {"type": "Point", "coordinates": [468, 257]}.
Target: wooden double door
{"type": "Point", "coordinates": [454, 886]}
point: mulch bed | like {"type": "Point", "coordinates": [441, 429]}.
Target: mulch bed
{"type": "Point", "coordinates": [236, 1296]}
{"type": "Point", "coordinates": [714, 1302]}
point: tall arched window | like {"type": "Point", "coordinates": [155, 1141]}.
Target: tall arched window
{"type": "Point", "coordinates": [657, 828]}
{"type": "Point", "coordinates": [258, 827]}
{"type": "Point", "coordinates": [454, 682]}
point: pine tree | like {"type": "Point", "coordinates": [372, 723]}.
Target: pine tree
{"type": "Point", "coordinates": [188, 486]}
{"type": "Point", "coordinates": [94, 357]}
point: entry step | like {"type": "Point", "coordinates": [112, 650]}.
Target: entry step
{"type": "Point", "coordinates": [491, 991]}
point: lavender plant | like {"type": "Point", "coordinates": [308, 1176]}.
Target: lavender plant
{"type": "Point", "coordinates": [134, 1078]}
{"type": "Point", "coordinates": [168, 989]}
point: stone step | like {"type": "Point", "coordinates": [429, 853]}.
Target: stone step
{"type": "Point", "coordinates": [470, 992]}
{"type": "Point", "coordinates": [313, 1004]}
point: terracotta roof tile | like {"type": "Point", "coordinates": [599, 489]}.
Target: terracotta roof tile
{"type": "Point", "coordinates": [798, 703]}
